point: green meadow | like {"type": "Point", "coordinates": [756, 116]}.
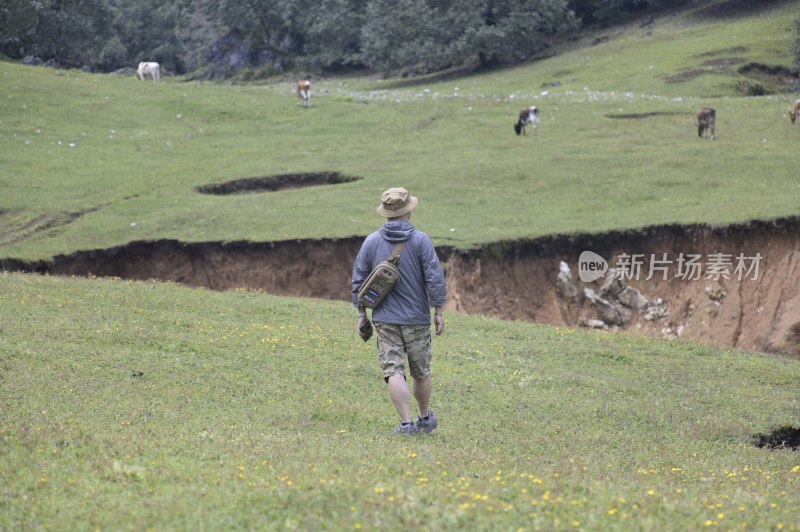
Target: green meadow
{"type": "Point", "coordinates": [148, 405]}
{"type": "Point", "coordinates": [94, 161]}
{"type": "Point", "coordinates": [145, 405]}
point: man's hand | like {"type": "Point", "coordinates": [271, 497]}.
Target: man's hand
{"type": "Point", "coordinates": [438, 319]}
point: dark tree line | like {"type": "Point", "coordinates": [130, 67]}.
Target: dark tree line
{"type": "Point", "coordinates": [796, 48]}
{"type": "Point", "coordinates": [321, 35]}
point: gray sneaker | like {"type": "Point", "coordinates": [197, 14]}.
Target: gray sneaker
{"type": "Point", "coordinates": [427, 425]}
{"type": "Point", "coordinates": [405, 430]}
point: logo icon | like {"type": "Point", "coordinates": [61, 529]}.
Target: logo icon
{"type": "Point", "coordinates": [591, 266]}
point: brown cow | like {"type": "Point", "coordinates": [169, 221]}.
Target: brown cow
{"type": "Point", "coordinates": [706, 120]}
{"type": "Point", "coordinates": [304, 92]}
{"type": "Point", "coordinates": [529, 115]}
{"type": "Point", "coordinates": [795, 112]}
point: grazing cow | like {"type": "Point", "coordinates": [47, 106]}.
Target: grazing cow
{"type": "Point", "coordinates": [529, 115]}
{"type": "Point", "coordinates": [706, 120]}
{"type": "Point", "coordinates": [795, 112]}
{"type": "Point", "coordinates": [304, 92]}
{"type": "Point", "coordinates": [149, 69]}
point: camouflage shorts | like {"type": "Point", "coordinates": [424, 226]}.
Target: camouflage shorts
{"type": "Point", "coordinates": [396, 343]}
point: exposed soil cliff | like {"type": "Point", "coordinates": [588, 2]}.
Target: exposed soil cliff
{"type": "Point", "coordinates": [757, 307]}
{"type": "Point", "coordinates": [759, 312]}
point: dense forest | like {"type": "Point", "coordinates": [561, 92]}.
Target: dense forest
{"type": "Point", "coordinates": [217, 38]}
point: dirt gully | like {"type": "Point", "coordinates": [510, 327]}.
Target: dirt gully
{"type": "Point", "coordinates": [737, 285]}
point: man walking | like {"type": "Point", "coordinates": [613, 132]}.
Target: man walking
{"type": "Point", "coordinates": [403, 320]}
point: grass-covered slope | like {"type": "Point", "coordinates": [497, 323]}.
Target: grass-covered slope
{"type": "Point", "coordinates": [152, 406]}
{"type": "Point", "coordinates": [92, 161]}
{"type": "Point", "coordinates": [148, 405]}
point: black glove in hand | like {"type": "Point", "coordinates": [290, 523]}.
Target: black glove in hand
{"type": "Point", "coordinates": [365, 331]}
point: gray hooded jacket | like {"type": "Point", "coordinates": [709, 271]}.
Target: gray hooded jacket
{"type": "Point", "coordinates": [421, 285]}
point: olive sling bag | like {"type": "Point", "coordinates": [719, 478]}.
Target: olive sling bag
{"type": "Point", "coordinates": [379, 283]}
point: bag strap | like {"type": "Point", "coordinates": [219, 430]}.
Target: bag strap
{"type": "Point", "coordinates": [398, 249]}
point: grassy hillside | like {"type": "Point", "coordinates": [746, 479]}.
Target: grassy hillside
{"type": "Point", "coordinates": [92, 161]}
{"type": "Point", "coordinates": [147, 405]}
{"type": "Point", "coordinates": [154, 406]}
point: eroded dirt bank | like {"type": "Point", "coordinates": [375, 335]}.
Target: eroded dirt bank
{"type": "Point", "coordinates": [760, 312]}
{"type": "Point", "coordinates": [754, 307]}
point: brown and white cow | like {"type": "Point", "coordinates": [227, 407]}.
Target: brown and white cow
{"type": "Point", "coordinates": [529, 115]}
{"type": "Point", "coordinates": [706, 120]}
{"type": "Point", "coordinates": [151, 69]}
{"type": "Point", "coordinates": [795, 112]}
{"type": "Point", "coordinates": [304, 92]}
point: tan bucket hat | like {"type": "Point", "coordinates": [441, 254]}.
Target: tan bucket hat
{"type": "Point", "coordinates": [396, 202]}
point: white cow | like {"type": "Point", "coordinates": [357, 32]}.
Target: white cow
{"type": "Point", "coordinates": [149, 69]}
{"type": "Point", "coordinates": [529, 115]}
{"type": "Point", "coordinates": [304, 92]}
